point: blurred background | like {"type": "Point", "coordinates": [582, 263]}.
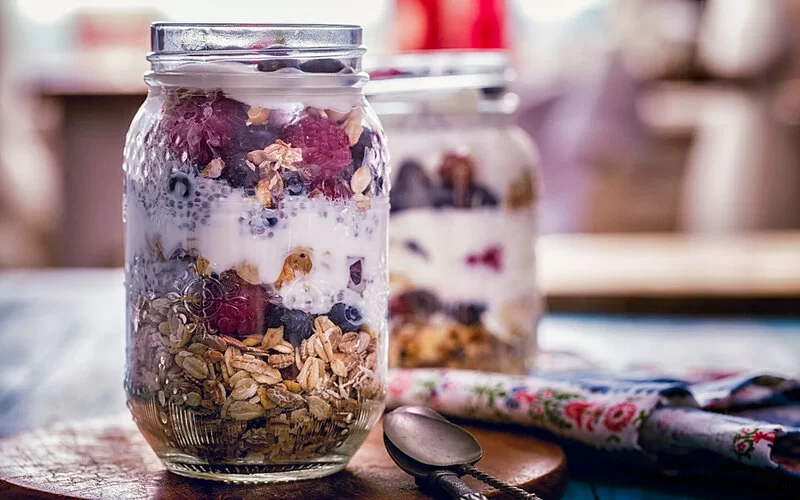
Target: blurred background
{"type": "Point", "coordinates": [668, 129]}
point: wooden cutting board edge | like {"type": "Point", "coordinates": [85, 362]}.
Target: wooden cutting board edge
{"type": "Point", "coordinates": [109, 459]}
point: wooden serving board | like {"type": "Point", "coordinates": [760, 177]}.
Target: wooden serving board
{"type": "Point", "coordinates": [108, 459]}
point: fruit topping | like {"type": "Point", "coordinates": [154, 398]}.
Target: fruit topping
{"type": "Point", "coordinates": [240, 308]}
{"type": "Point", "coordinates": [325, 146]}
{"type": "Point", "coordinates": [297, 325]}
{"type": "Point", "coordinates": [293, 183]}
{"type": "Point", "coordinates": [412, 188]}
{"type": "Point", "coordinates": [322, 66]}
{"type": "Point", "coordinates": [180, 186]}
{"type": "Point", "coordinates": [237, 173]}
{"type": "Point", "coordinates": [359, 149]}
{"type": "Point", "coordinates": [414, 247]}
{"type": "Point", "coordinates": [457, 173]}
{"type": "Point", "coordinates": [346, 317]}
{"type": "Point", "coordinates": [468, 314]}
{"type": "Point", "coordinates": [356, 266]}
{"type": "Point", "coordinates": [418, 302]}
{"type": "Point", "coordinates": [276, 64]}
{"type": "Point", "coordinates": [333, 189]}
{"type": "Point", "coordinates": [491, 257]}
{"type": "Point", "coordinates": [200, 127]}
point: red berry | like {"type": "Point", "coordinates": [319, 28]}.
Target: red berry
{"type": "Point", "coordinates": [333, 189]}
{"type": "Point", "coordinates": [202, 126]}
{"type": "Point", "coordinates": [241, 308]}
{"type": "Point", "coordinates": [325, 146]}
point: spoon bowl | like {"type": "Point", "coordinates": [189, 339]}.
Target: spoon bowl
{"type": "Point", "coordinates": [434, 442]}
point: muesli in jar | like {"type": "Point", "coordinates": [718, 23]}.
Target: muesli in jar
{"type": "Point", "coordinates": [464, 193]}
{"type": "Point", "coordinates": [256, 213]}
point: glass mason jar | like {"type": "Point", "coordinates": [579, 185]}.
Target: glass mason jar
{"type": "Point", "coordinates": [256, 208]}
{"type": "Point", "coordinates": [464, 191]}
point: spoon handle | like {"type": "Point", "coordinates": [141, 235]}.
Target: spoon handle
{"type": "Point", "coordinates": [496, 483]}
{"type": "Point", "coordinates": [451, 483]}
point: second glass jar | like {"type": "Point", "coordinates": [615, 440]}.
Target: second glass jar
{"type": "Point", "coordinates": [464, 192]}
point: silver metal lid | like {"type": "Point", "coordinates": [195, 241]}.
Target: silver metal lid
{"type": "Point", "coordinates": [267, 39]}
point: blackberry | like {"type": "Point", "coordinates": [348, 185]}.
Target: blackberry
{"type": "Point", "coordinates": [297, 325]}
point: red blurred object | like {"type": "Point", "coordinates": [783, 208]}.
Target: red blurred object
{"type": "Point", "coordinates": [450, 24]}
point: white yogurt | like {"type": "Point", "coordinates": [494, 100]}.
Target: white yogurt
{"type": "Point", "coordinates": [332, 231]}
{"type": "Point", "coordinates": [448, 237]}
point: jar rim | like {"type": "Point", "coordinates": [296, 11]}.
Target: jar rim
{"type": "Point", "coordinates": [438, 70]}
{"type": "Point", "coordinates": [265, 39]}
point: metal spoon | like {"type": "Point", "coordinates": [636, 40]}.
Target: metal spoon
{"type": "Point", "coordinates": [437, 452]}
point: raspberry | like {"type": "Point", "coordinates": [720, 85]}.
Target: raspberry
{"type": "Point", "coordinates": [202, 126]}
{"type": "Point", "coordinates": [333, 189]}
{"type": "Point", "coordinates": [241, 308]}
{"type": "Point", "coordinates": [325, 146]}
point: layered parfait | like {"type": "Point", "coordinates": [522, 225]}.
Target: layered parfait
{"type": "Point", "coordinates": [462, 258]}
{"type": "Point", "coordinates": [463, 219]}
{"type": "Point", "coordinates": [256, 271]}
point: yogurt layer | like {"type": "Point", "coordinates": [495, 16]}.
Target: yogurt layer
{"type": "Point", "coordinates": [448, 237]}
{"type": "Point", "coordinates": [335, 234]}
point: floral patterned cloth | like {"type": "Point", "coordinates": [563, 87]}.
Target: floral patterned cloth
{"type": "Point", "coordinates": [666, 421]}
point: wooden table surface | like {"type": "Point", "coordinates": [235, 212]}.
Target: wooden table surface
{"type": "Point", "coordinates": [62, 359]}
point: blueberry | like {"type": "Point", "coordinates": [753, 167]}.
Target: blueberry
{"type": "Point", "coordinates": [481, 197]}
{"type": "Point", "coordinates": [358, 149]}
{"type": "Point", "coordinates": [414, 247]}
{"type": "Point", "coordinates": [273, 315]}
{"type": "Point", "coordinates": [269, 217]}
{"type": "Point", "coordinates": [180, 186]}
{"type": "Point", "coordinates": [421, 302]}
{"type": "Point", "coordinates": [322, 66]}
{"type": "Point", "coordinates": [477, 196]}
{"type": "Point", "coordinates": [293, 183]}
{"type": "Point", "coordinates": [412, 188]}
{"type": "Point", "coordinates": [442, 197]}
{"type": "Point", "coordinates": [346, 317]}
{"type": "Point", "coordinates": [493, 92]}
{"type": "Point", "coordinates": [240, 176]}
{"type": "Point", "coordinates": [468, 314]}
{"type": "Point", "coordinates": [297, 325]}
{"type": "Point", "coordinates": [255, 137]}
{"type": "Point", "coordinates": [271, 65]}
